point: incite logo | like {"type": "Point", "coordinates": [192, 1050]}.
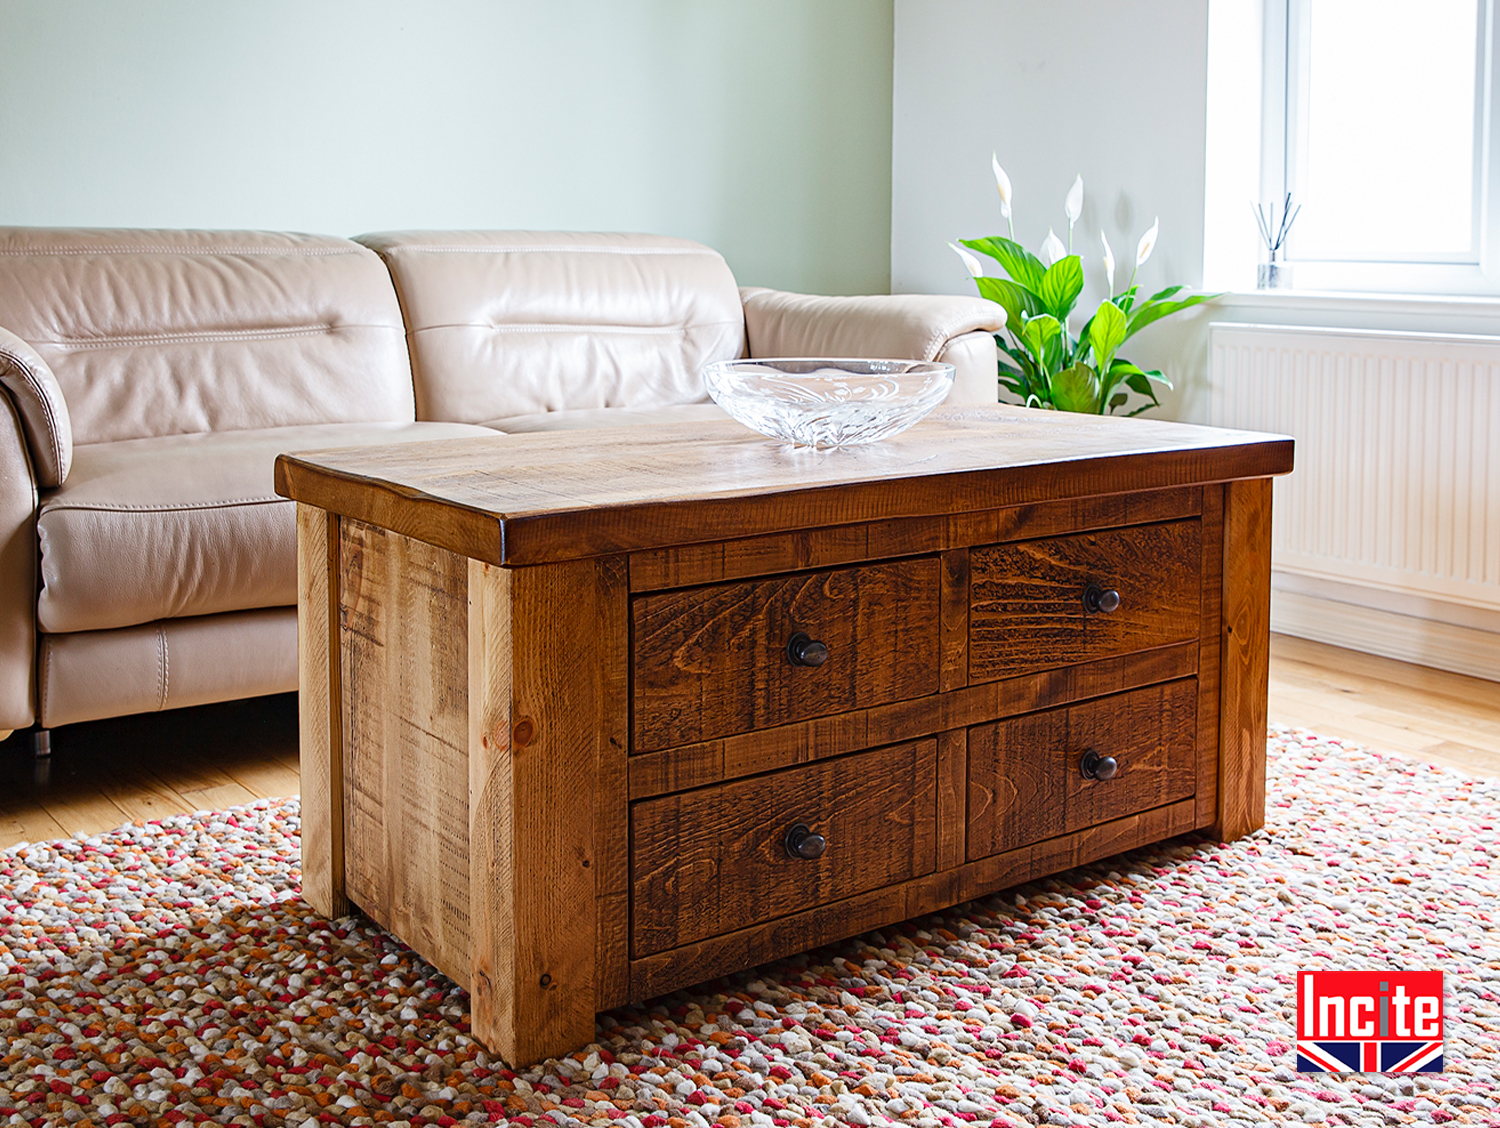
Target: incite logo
{"type": "Point", "coordinates": [1370, 1022]}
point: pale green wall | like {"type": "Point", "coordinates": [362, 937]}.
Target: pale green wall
{"type": "Point", "coordinates": [761, 127]}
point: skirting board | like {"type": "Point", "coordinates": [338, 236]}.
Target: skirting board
{"type": "Point", "coordinates": [1424, 642]}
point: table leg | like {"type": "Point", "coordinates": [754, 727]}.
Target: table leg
{"type": "Point", "coordinates": [319, 711]}
{"type": "Point", "coordinates": [535, 705]}
{"type": "Point", "coordinates": [1246, 642]}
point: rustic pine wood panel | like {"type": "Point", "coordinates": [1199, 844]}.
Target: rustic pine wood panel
{"type": "Point", "coordinates": [535, 721]}
{"type": "Point", "coordinates": [1017, 792]}
{"type": "Point", "coordinates": [1054, 855]}
{"type": "Point", "coordinates": [710, 662]}
{"type": "Point", "coordinates": [805, 549]}
{"type": "Point", "coordinates": [1246, 643]}
{"type": "Point", "coordinates": [320, 717]}
{"type": "Point", "coordinates": [611, 792]}
{"type": "Point", "coordinates": [952, 801]}
{"type": "Point", "coordinates": [527, 499]}
{"type": "Point", "coordinates": [404, 664]}
{"type": "Point", "coordinates": [1025, 784]}
{"type": "Point", "coordinates": [655, 975]}
{"type": "Point", "coordinates": [713, 761]}
{"type": "Point", "coordinates": [1027, 597]}
{"type": "Point", "coordinates": [955, 625]}
{"type": "Point", "coordinates": [712, 861]}
{"type": "Point", "coordinates": [1027, 522]}
{"type": "Point", "coordinates": [1152, 735]}
{"type": "Point", "coordinates": [1209, 631]}
{"type": "Point", "coordinates": [693, 564]}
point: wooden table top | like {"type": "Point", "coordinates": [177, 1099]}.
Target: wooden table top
{"type": "Point", "coordinates": [562, 495]}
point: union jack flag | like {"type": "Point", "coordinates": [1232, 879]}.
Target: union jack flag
{"type": "Point", "coordinates": [1370, 1057]}
{"type": "Point", "coordinates": [1370, 1021]}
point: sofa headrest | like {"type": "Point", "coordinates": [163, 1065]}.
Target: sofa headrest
{"type": "Point", "coordinates": [172, 332]}
{"type": "Point", "coordinates": [504, 323]}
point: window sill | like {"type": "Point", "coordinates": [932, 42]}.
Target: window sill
{"type": "Point", "coordinates": [1330, 301]}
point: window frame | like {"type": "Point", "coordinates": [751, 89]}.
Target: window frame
{"type": "Point", "coordinates": [1471, 272]}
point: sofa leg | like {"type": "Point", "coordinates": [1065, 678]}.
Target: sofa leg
{"type": "Point", "coordinates": [41, 742]}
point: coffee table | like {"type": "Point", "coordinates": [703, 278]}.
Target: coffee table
{"type": "Point", "coordinates": [590, 716]}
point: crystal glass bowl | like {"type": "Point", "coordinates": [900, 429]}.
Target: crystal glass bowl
{"type": "Point", "coordinates": [828, 403]}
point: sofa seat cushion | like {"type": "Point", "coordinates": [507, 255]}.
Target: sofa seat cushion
{"type": "Point", "coordinates": [591, 417]}
{"type": "Point", "coordinates": [182, 525]}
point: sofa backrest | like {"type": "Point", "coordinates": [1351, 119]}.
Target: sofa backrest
{"type": "Point", "coordinates": [172, 332]}
{"type": "Point", "coordinates": [504, 323]}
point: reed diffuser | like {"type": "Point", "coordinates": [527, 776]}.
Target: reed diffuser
{"type": "Point", "coordinates": [1275, 274]}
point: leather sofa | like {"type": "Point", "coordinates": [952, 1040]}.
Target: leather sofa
{"type": "Point", "coordinates": [151, 377]}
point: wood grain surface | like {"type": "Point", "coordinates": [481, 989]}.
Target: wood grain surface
{"type": "Point", "coordinates": [691, 564]}
{"type": "Point", "coordinates": [711, 661]}
{"type": "Point", "coordinates": [654, 975]}
{"type": "Point", "coordinates": [695, 765]}
{"type": "Point", "coordinates": [1024, 779]}
{"type": "Point", "coordinates": [712, 861]}
{"type": "Point", "coordinates": [1246, 646]}
{"type": "Point", "coordinates": [319, 712]}
{"type": "Point", "coordinates": [525, 499]}
{"type": "Point", "coordinates": [404, 666]}
{"type": "Point", "coordinates": [1027, 597]}
{"type": "Point", "coordinates": [535, 721]}
{"type": "Point", "coordinates": [1207, 793]}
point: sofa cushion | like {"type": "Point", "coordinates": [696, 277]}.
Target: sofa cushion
{"type": "Point", "coordinates": [507, 323]}
{"type": "Point", "coordinates": [166, 665]}
{"type": "Point", "coordinates": [590, 418]}
{"type": "Point", "coordinates": [184, 525]}
{"type": "Point", "coordinates": [169, 332]}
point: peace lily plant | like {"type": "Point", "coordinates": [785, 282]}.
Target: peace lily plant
{"type": "Point", "coordinates": [1050, 367]}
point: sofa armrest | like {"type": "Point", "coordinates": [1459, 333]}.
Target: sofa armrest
{"type": "Point", "coordinates": [39, 401]}
{"type": "Point", "coordinates": [895, 326]}
{"type": "Point", "coordinates": [18, 573]}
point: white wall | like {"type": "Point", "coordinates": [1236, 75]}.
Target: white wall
{"type": "Point", "coordinates": [761, 127]}
{"type": "Point", "coordinates": [1109, 89]}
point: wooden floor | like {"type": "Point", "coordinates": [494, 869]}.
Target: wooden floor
{"type": "Point", "coordinates": [111, 772]}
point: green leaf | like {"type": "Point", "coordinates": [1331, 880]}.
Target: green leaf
{"type": "Point", "coordinates": [1106, 334]}
{"type": "Point", "coordinates": [1061, 286]}
{"type": "Point", "coordinates": [1015, 300]}
{"type": "Point", "coordinates": [1117, 400]}
{"type": "Point", "coordinates": [1076, 389]}
{"type": "Point", "coordinates": [1162, 295]}
{"type": "Point", "coordinates": [1023, 266]}
{"type": "Point", "coordinates": [1139, 383]}
{"type": "Point", "coordinates": [1154, 311]}
{"type": "Point", "coordinates": [1037, 333]}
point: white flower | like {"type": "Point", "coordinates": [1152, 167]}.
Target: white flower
{"type": "Point", "coordinates": [1109, 264]}
{"type": "Point", "coordinates": [1053, 248]}
{"type": "Point", "coordinates": [1148, 243]}
{"type": "Point", "coordinates": [1073, 205]}
{"type": "Point", "coordinates": [970, 262]}
{"type": "Point", "coordinates": [1002, 182]}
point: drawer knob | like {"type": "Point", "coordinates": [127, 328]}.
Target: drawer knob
{"type": "Point", "coordinates": [801, 842]}
{"type": "Point", "coordinates": [1095, 766]}
{"type": "Point", "coordinates": [1097, 599]}
{"type": "Point", "coordinates": [804, 650]}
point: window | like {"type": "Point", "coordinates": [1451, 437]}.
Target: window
{"type": "Point", "coordinates": [1377, 118]}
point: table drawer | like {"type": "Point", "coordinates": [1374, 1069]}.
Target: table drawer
{"type": "Point", "coordinates": [1026, 779]}
{"type": "Point", "coordinates": [713, 661]}
{"type": "Point", "coordinates": [1028, 608]}
{"type": "Point", "coordinates": [708, 862]}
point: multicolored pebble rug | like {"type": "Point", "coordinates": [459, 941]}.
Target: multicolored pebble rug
{"type": "Point", "coordinates": [169, 973]}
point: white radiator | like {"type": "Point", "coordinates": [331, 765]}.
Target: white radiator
{"type": "Point", "coordinates": [1397, 485]}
